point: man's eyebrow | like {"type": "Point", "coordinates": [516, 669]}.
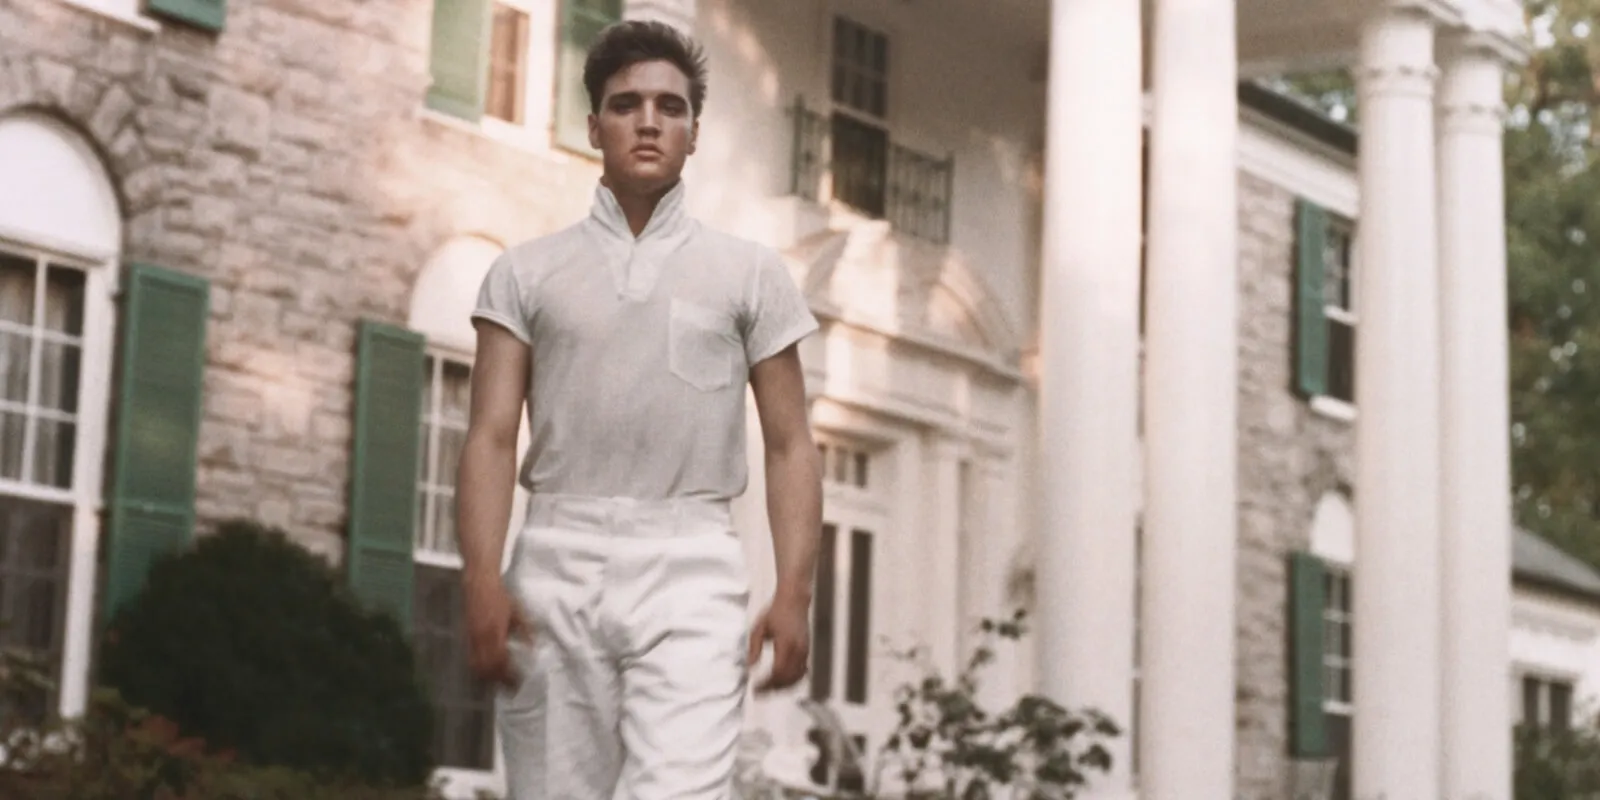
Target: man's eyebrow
{"type": "Point", "coordinates": [633, 96]}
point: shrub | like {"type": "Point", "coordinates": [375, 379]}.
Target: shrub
{"type": "Point", "coordinates": [1557, 765]}
{"type": "Point", "coordinates": [254, 645]}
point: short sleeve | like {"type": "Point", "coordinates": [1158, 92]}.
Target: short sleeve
{"type": "Point", "coordinates": [500, 299]}
{"type": "Point", "coordinates": [777, 314]}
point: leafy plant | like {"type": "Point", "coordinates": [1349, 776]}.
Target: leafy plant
{"type": "Point", "coordinates": [947, 745]}
{"type": "Point", "coordinates": [116, 751]}
{"type": "Point", "coordinates": [255, 644]}
{"type": "Point", "coordinates": [1556, 765]}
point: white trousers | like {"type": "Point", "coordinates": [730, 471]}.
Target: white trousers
{"type": "Point", "coordinates": [633, 688]}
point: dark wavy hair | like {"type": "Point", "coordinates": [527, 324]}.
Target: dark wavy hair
{"type": "Point", "coordinates": [623, 44]}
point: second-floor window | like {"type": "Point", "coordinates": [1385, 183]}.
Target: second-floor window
{"type": "Point", "coordinates": [508, 64]}
{"type": "Point", "coordinates": [860, 104]}
{"type": "Point", "coordinates": [1326, 276]}
{"type": "Point", "coordinates": [1546, 703]}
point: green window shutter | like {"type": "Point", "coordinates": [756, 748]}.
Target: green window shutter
{"type": "Point", "coordinates": [581, 23]}
{"type": "Point", "coordinates": [1311, 326]}
{"type": "Point", "coordinates": [207, 14]}
{"type": "Point", "coordinates": [157, 434]}
{"type": "Point", "coordinates": [388, 413]}
{"type": "Point", "coordinates": [460, 57]}
{"type": "Point", "coordinates": [1307, 734]}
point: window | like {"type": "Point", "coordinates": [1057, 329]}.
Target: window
{"type": "Point", "coordinates": [1339, 307]}
{"type": "Point", "coordinates": [508, 64]}
{"type": "Point", "coordinates": [1546, 703]}
{"type": "Point", "coordinates": [842, 624]}
{"type": "Point", "coordinates": [860, 102]}
{"type": "Point", "coordinates": [446, 397]}
{"type": "Point", "coordinates": [844, 465]}
{"type": "Point", "coordinates": [41, 347]}
{"type": "Point", "coordinates": [463, 706]}
{"type": "Point", "coordinates": [1336, 666]}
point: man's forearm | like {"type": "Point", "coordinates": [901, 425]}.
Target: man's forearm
{"type": "Point", "coordinates": [484, 487]}
{"type": "Point", "coordinates": [794, 508]}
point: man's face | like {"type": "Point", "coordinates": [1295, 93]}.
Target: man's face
{"type": "Point", "coordinates": [645, 129]}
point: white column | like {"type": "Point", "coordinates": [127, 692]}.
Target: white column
{"type": "Point", "coordinates": [1088, 358]}
{"type": "Point", "coordinates": [1476, 460]}
{"type": "Point", "coordinates": [1395, 598]}
{"type": "Point", "coordinates": [1186, 709]}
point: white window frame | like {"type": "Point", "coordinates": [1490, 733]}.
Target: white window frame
{"type": "Point", "coordinates": [539, 65]}
{"type": "Point", "coordinates": [1326, 404]}
{"type": "Point", "coordinates": [849, 507]}
{"type": "Point", "coordinates": [92, 433]}
{"type": "Point", "coordinates": [433, 418]}
{"type": "Point", "coordinates": [1546, 679]}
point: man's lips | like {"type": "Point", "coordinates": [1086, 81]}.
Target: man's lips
{"type": "Point", "coordinates": [649, 149]}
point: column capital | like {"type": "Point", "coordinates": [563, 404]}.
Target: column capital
{"type": "Point", "coordinates": [1471, 90]}
{"type": "Point", "coordinates": [1397, 50]}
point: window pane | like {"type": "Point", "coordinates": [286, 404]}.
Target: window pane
{"type": "Point", "coordinates": [508, 47]}
{"type": "Point", "coordinates": [33, 567]}
{"type": "Point", "coordinates": [444, 523]}
{"type": "Point", "coordinates": [1560, 705]}
{"type": "Point", "coordinates": [1338, 727]}
{"type": "Point", "coordinates": [14, 355]}
{"type": "Point", "coordinates": [63, 301]}
{"type": "Point", "coordinates": [463, 732]}
{"type": "Point", "coordinates": [16, 289]}
{"type": "Point", "coordinates": [52, 452]}
{"type": "Point", "coordinates": [1342, 360]}
{"type": "Point", "coordinates": [857, 657]}
{"type": "Point", "coordinates": [59, 367]}
{"type": "Point", "coordinates": [450, 443]}
{"type": "Point", "coordinates": [1530, 703]}
{"type": "Point", "coordinates": [861, 470]}
{"type": "Point", "coordinates": [456, 399]}
{"type": "Point", "coordinates": [13, 428]}
{"type": "Point", "coordinates": [822, 616]}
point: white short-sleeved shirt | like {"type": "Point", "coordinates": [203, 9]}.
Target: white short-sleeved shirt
{"type": "Point", "coordinates": [641, 350]}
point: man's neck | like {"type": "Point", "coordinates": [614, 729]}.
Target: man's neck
{"type": "Point", "coordinates": [638, 205]}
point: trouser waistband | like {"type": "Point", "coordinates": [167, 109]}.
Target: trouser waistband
{"type": "Point", "coordinates": [626, 516]}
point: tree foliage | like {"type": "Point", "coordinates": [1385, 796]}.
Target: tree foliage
{"type": "Point", "coordinates": [1553, 251]}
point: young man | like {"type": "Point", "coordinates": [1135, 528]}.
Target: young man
{"type": "Point", "coordinates": [619, 629]}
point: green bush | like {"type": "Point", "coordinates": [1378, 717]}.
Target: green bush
{"type": "Point", "coordinates": [1557, 764]}
{"type": "Point", "coordinates": [254, 645]}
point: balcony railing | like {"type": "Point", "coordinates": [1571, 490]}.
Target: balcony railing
{"type": "Point", "coordinates": [870, 173]}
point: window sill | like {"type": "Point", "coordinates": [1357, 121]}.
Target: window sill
{"type": "Point", "coordinates": [134, 20]}
{"type": "Point", "coordinates": [1333, 408]}
{"type": "Point", "coordinates": [519, 137]}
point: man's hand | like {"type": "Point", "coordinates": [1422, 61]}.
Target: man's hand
{"type": "Point", "coordinates": [786, 623]}
{"type": "Point", "coordinates": [492, 619]}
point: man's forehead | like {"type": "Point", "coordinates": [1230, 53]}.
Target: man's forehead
{"type": "Point", "coordinates": [649, 78]}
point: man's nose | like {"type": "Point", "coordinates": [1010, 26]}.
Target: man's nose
{"type": "Point", "coordinates": [649, 118]}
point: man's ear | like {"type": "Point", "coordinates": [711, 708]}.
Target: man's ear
{"type": "Point", "coordinates": [594, 131]}
{"type": "Point", "coordinates": [694, 135]}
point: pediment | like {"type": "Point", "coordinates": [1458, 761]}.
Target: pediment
{"type": "Point", "coordinates": [870, 272]}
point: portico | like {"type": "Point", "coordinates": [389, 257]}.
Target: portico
{"type": "Point", "coordinates": [1431, 601]}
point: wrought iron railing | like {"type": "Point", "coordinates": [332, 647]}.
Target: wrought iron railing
{"type": "Point", "coordinates": [870, 173]}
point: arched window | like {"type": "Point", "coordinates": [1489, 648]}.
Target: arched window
{"type": "Point", "coordinates": [441, 307]}
{"type": "Point", "coordinates": [1333, 548]}
{"type": "Point", "coordinates": [60, 233]}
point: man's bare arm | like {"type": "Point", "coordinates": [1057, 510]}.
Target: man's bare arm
{"type": "Point", "coordinates": [794, 471]}
{"type": "Point", "coordinates": [794, 509]}
{"type": "Point", "coordinates": [486, 478]}
{"type": "Point", "coordinates": [485, 484]}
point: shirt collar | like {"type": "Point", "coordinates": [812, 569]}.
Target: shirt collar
{"type": "Point", "coordinates": [667, 219]}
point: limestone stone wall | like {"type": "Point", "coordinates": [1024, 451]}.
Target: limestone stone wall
{"type": "Point", "coordinates": [1289, 456]}
{"type": "Point", "coordinates": [289, 161]}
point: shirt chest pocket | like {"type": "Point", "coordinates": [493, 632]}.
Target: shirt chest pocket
{"type": "Point", "coordinates": [703, 346]}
